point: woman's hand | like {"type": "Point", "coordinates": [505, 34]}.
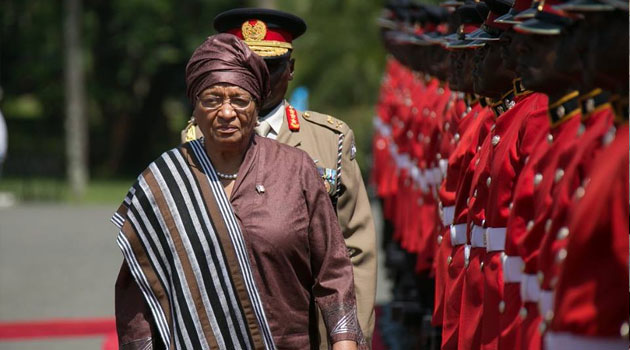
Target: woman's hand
{"type": "Point", "coordinates": [345, 345]}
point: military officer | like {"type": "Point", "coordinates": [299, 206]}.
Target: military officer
{"type": "Point", "coordinates": [329, 141]}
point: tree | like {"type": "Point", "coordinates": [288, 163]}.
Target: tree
{"type": "Point", "coordinates": [76, 125]}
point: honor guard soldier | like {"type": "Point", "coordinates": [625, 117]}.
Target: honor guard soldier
{"type": "Point", "coordinates": [525, 226]}
{"type": "Point", "coordinates": [329, 141]}
{"type": "Point", "coordinates": [496, 166]}
{"type": "Point", "coordinates": [472, 130]}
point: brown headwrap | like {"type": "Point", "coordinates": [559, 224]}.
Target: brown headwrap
{"type": "Point", "coordinates": [224, 58]}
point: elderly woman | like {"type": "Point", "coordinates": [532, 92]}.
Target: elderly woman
{"type": "Point", "coordinates": [231, 240]}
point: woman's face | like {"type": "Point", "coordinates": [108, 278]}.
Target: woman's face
{"type": "Point", "coordinates": [226, 114]}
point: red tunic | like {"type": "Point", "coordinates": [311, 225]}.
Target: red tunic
{"type": "Point", "coordinates": [592, 292]}
{"type": "Point", "coordinates": [515, 134]}
{"type": "Point", "coordinates": [534, 190]}
{"type": "Point", "coordinates": [471, 139]}
{"type": "Point", "coordinates": [454, 112]}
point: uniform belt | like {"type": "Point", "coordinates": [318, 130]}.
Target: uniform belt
{"type": "Point", "coordinates": [448, 214]}
{"type": "Point", "coordinates": [512, 268]}
{"type": "Point", "coordinates": [476, 237]}
{"type": "Point", "coordinates": [530, 289]}
{"type": "Point", "coordinates": [458, 234]}
{"type": "Point", "coordinates": [435, 176]}
{"type": "Point", "coordinates": [495, 239]}
{"type": "Point", "coordinates": [545, 302]}
{"type": "Point", "coordinates": [570, 341]}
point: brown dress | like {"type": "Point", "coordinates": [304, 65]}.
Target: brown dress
{"type": "Point", "coordinates": [295, 247]}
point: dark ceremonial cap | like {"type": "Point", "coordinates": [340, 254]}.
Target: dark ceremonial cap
{"type": "Point", "coordinates": [471, 17]}
{"type": "Point", "coordinates": [490, 29]}
{"type": "Point", "coordinates": [621, 5]}
{"type": "Point", "coordinates": [547, 21]}
{"type": "Point", "coordinates": [451, 3]}
{"type": "Point", "coordinates": [585, 6]}
{"type": "Point", "coordinates": [269, 33]}
{"type": "Point", "coordinates": [537, 6]}
{"type": "Point", "coordinates": [518, 7]}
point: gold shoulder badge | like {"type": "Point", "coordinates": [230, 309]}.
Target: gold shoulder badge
{"type": "Point", "coordinates": [254, 30]}
{"type": "Point", "coordinates": [292, 118]}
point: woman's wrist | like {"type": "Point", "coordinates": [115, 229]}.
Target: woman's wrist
{"type": "Point", "coordinates": [345, 345]}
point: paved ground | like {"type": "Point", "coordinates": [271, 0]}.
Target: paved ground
{"type": "Point", "coordinates": [59, 261]}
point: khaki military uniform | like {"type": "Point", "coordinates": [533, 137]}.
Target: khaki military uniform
{"type": "Point", "coordinates": [319, 136]}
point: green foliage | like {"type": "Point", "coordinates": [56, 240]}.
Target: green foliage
{"type": "Point", "coordinates": [135, 52]}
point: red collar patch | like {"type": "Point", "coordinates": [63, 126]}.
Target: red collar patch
{"type": "Point", "coordinates": [292, 118]}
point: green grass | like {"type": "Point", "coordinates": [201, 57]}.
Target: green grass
{"type": "Point", "coordinates": [99, 191]}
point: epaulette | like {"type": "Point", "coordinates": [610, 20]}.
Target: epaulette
{"type": "Point", "coordinates": [326, 120]}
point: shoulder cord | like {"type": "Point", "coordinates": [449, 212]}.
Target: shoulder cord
{"type": "Point", "coordinates": [338, 180]}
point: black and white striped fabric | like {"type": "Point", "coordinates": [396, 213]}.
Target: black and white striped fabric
{"type": "Point", "coordinates": [167, 213]}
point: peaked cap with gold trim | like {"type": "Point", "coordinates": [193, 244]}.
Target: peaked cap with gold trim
{"type": "Point", "coordinates": [269, 33]}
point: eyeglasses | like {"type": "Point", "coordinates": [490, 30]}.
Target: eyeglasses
{"type": "Point", "coordinates": [212, 103]}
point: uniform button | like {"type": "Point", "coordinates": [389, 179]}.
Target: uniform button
{"type": "Point", "coordinates": [439, 239]}
{"type": "Point", "coordinates": [562, 254]}
{"type": "Point", "coordinates": [488, 181]}
{"type": "Point", "coordinates": [549, 138]}
{"type": "Point", "coordinates": [449, 260]}
{"type": "Point", "coordinates": [481, 266]}
{"type": "Point", "coordinates": [511, 206]}
{"type": "Point", "coordinates": [560, 111]}
{"type": "Point", "coordinates": [624, 330]}
{"type": "Point", "coordinates": [456, 137]}
{"type": "Point", "coordinates": [542, 328]}
{"type": "Point", "coordinates": [548, 225]}
{"type": "Point", "coordinates": [549, 316]}
{"type": "Point", "coordinates": [495, 140]}
{"type": "Point", "coordinates": [541, 277]}
{"type": "Point", "coordinates": [530, 225]}
{"type": "Point", "coordinates": [477, 161]}
{"type": "Point", "coordinates": [590, 105]}
{"type": "Point", "coordinates": [475, 193]}
{"type": "Point", "coordinates": [523, 312]}
{"type": "Point", "coordinates": [559, 175]}
{"type": "Point", "coordinates": [447, 126]}
{"type": "Point", "coordinates": [538, 179]}
{"type": "Point", "coordinates": [563, 233]}
{"type": "Point", "coordinates": [501, 306]}
{"type": "Point", "coordinates": [579, 192]}
{"type": "Point", "coordinates": [478, 148]}
{"type": "Point", "coordinates": [609, 136]}
{"type": "Point", "coordinates": [581, 130]}
{"type": "Point", "coordinates": [468, 201]}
